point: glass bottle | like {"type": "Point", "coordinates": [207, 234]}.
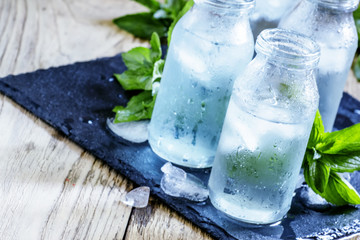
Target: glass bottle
{"type": "Point", "coordinates": [211, 44]}
{"type": "Point", "coordinates": [267, 14]}
{"type": "Point", "coordinates": [331, 24]}
{"type": "Point", "coordinates": [266, 129]}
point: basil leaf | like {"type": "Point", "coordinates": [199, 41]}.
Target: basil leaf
{"type": "Point", "coordinates": [316, 132]}
{"type": "Point", "coordinates": [343, 163]}
{"type": "Point", "coordinates": [318, 172]}
{"type": "Point", "coordinates": [138, 108]}
{"type": "Point", "coordinates": [155, 47]}
{"type": "Point", "coordinates": [184, 10]}
{"type": "Point", "coordinates": [308, 179]}
{"type": "Point", "coordinates": [135, 80]}
{"type": "Point", "coordinates": [137, 58]}
{"type": "Point", "coordinates": [141, 25]}
{"type": "Point", "coordinates": [340, 192]}
{"type": "Point", "coordinates": [174, 7]}
{"type": "Point", "coordinates": [151, 4]}
{"type": "Point", "coordinates": [341, 142]}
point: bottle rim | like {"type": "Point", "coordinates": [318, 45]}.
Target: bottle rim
{"type": "Point", "coordinates": [339, 5]}
{"type": "Point", "coordinates": [234, 5]}
{"type": "Point", "coordinates": [288, 48]}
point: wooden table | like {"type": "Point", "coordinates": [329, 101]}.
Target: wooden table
{"type": "Point", "coordinates": [49, 187]}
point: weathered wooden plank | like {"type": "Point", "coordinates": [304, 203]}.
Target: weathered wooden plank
{"type": "Point", "coordinates": [157, 222]}
{"type": "Point", "coordinates": [50, 188]}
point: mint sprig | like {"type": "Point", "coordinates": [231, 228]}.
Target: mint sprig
{"type": "Point", "coordinates": [328, 154]}
{"type": "Point", "coordinates": [158, 19]}
{"type": "Point", "coordinates": [144, 70]}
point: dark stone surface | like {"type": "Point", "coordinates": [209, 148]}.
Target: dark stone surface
{"type": "Point", "coordinates": [77, 99]}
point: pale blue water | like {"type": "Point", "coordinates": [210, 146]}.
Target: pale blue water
{"type": "Point", "coordinates": [193, 97]}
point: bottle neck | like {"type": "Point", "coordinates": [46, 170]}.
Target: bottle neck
{"type": "Point", "coordinates": [228, 5]}
{"type": "Point", "coordinates": [288, 49]}
{"type": "Point", "coordinates": [341, 6]}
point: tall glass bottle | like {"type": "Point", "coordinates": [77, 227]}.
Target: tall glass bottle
{"type": "Point", "coordinates": [331, 24]}
{"type": "Point", "coordinates": [266, 129]}
{"type": "Point", "coordinates": [211, 44]}
{"type": "Point", "coordinates": [267, 14]}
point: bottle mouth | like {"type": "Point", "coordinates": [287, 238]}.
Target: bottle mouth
{"type": "Point", "coordinates": [234, 5]}
{"type": "Point", "coordinates": [288, 48]}
{"type": "Point", "coordinates": [339, 5]}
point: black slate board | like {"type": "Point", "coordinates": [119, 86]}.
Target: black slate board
{"type": "Point", "coordinates": [77, 99]}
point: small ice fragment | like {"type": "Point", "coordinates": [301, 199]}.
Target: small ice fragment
{"type": "Point", "coordinates": [136, 131]}
{"type": "Point", "coordinates": [138, 197]}
{"type": "Point", "coordinates": [357, 111]}
{"type": "Point", "coordinates": [177, 183]}
{"type": "Point", "coordinates": [172, 171]}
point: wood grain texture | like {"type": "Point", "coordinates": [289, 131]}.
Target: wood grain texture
{"type": "Point", "coordinates": [49, 187]}
{"type": "Point", "coordinates": [158, 220]}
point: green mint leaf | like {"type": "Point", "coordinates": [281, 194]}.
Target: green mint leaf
{"type": "Point", "coordinates": [343, 163]}
{"type": "Point", "coordinates": [317, 131]}
{"type": "Point", "coordinates": [174, 7]}
{"type": "Point", "coordinates": [307, 175]}
{"type": "Point", "coordinates": [135, 80]}
{"type": "Point", "coordinates": [156, 76]}
{"type": "Point", "coordinates": [137, 58]}
{"type": "Point", "coordinates": [343, 142]}
{"type": "Point", "coordinates": [141, 25]}
{"type": "Point", "coordinates": [184, 10]}
{"type": "Point", "coordinates": [151, 4]}
{"type": "Point", "coordinates": [138, 108]}
{"type": "Point", "coordinates": [340, 192]}
{"type": "Point", "coordinates": [318, 172]}
{"type": "Point", "coordinates": [328, 153]}
{"type": "Point", "coordinates": [155, 48]}
{"type": "Point", "coordinates": [337, 191]}
{"type": "Point", "coordinates": [141, 64]}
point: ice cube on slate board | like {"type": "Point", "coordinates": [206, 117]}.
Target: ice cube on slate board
{"type": "Point", "coordinates": [138, 197]}
{"type": "Point", "coordinates": [177, 183]}
{"type": "Point", "coordinates": [136, 131]}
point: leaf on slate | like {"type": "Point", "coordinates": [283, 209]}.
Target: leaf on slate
{"type": "Point", "coordinates": [138, 108]}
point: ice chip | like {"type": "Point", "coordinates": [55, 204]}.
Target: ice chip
{"type": "Point", "coordinates": [138, 197]}
{"type": "Point", "coordinates": [174, 172]}
{"type": "Point", "coordinates": [136, 131]}
{"type": "Point", "coordinates": [177, 183]}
